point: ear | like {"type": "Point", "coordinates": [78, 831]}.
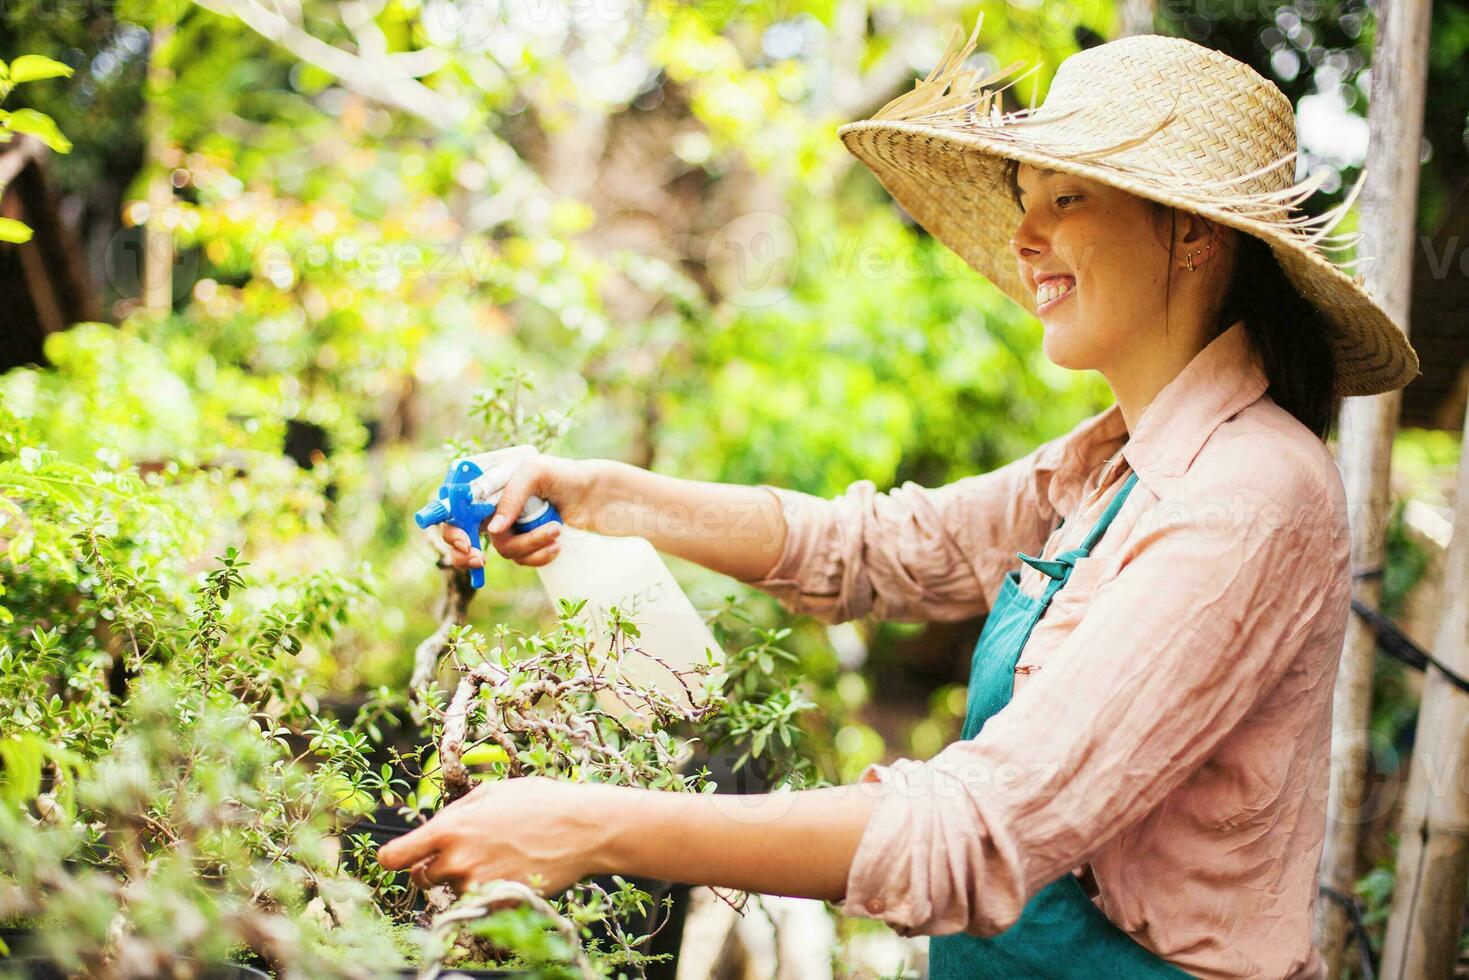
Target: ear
{"type": "Point", "coordinates": [1193, 231]}
{"type": "Point", "coordinates": [1196, 236]}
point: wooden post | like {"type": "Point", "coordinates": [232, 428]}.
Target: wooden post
{"type": "Point", "coordinates": [157, 271]}
{"type": "Point", "coordinates": [1136, 17]}
{"type": "Point", "coordinates": [1433, 849]}
{"type": "Point", "coordinates": [1389, 210]}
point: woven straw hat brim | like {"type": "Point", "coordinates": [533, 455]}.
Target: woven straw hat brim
{"type": "Point", "coordinates": [951, 180]}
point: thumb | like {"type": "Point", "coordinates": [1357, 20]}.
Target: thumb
{"type": "Point", "coordinates": [519, 488]}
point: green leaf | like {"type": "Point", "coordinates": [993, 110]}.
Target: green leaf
{"type": "Point", "coordinates": [21, 547]}
{"type": "Point", "coordinates": [34, 67]}
{"type": "Point", "coordinates": [22, 758]}
{"type": "Point", "coordinates": [39, 125]}
{"type": "Point", "coordinates": [14, 231]}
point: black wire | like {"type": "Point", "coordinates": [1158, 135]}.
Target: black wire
{"type": "Point", "coordinates": [1353, 908]}
{"type": "Point", "coordinates": [1399, 645]}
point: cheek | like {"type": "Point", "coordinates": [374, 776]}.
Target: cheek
{"type": "Point", "coordinates": [1123, 271]}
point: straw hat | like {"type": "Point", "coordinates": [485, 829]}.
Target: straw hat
{"type": "Point", "coordinates": [1160, 117]}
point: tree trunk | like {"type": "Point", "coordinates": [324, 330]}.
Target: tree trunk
{"type": "Point", "coordinates": [1433, 850]}
{"type": "Point", "coordinates": [1389, 208]}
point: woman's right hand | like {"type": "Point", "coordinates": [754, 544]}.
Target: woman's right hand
{"type": "Point", "coordinates": [566, 483]}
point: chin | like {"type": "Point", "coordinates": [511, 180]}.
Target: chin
{"type": "Point", "coordinates": [1063, 350]}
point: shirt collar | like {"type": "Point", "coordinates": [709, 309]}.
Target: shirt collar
{"type": "Point", "coordinates": [1221, 380]}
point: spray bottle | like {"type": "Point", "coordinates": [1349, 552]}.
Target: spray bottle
{"type": "Point", "coordinates": [625, 572]}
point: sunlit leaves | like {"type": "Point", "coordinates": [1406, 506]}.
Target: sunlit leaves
{"type": "Point", "coordinates": [22, 756]}
{"type": "Point", "coordinates": [16, 232]}
{"type": "Point", "coordinates": [35, 67]}
{"type": "Point", "coordinates": [33, 123]}
{"type": "Point", "coordinates": [29, 122]}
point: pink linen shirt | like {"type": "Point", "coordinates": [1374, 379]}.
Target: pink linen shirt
{"type": "Point", "coordinates": [1171, 723]}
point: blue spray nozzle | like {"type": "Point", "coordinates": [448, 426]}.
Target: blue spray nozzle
{"type": "Point", "coordinates": [456, 505]}
{"type": "Point", "coordinates": [434, 513]}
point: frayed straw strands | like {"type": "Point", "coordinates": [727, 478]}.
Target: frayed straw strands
{"type": "Point", "coordinates": [1160, 117]}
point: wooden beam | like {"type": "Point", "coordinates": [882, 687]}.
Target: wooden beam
{"type": "Point", "coordinates": [1389, 213]}
{"type": "Point", "coordinates": [1433, 830]}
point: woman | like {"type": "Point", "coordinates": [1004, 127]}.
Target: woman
{"type": "Point", "coordinates": [1140, 786]}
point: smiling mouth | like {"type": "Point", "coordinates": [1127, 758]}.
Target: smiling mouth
{"type": "Point", "coordinates": [1053, 289]}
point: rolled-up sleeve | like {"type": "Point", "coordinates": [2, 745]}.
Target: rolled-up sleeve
{"type": "Point", "coordinates": [1215, 597]}
{"type": "Point", "coordinates": [913, 553]}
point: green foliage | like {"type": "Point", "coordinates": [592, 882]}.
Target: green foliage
{"type": "Point", "coordinates": [161, 706]}
{"type": "Point", "coordinates": [195, 833]}
{"type": "Point", "coordinates": [502, 411]}
{"type": "Point", "coordinates": [147, 706]}
{"type": "Point", "coordinates": [372, 275]}
{"type": "Point", "coordinates": [28, 122]}
{"type": "Point", "coordinates": [767, 700]}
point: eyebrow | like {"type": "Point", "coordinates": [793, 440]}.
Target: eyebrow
{"type": "Point", "coordinates": [1044, 173]}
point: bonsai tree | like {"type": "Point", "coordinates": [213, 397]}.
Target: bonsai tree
{"type": "Point", "coordinates": [171, 789]}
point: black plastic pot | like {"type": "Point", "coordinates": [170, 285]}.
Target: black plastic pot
{"type": "Point", "coordinates": [385, 824]}
{"type": "Point", "coordinates": [456, 974]}
{"type": "Point", "coordinates": [40, 968]}
{"type": "Point", "coordinates": [45, 968]}
{"type": "Point", "coordinates": [31, 964]}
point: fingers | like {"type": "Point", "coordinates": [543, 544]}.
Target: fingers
{"type": "Point", "coordinates": [531, 548]}
{"type": "Point", "coordinates": [411, 848]}
{"type": "Point", "coordinates": [518, 490]}
{"type": "Point", "coordinates": [442, 869]}
{"type": "Point", "coordinates": [462, 552]}
{"type": "Point", "coordinates": [420, 876]}
{"type": "Point", "coordinates": [543, 557]}
{"type": "Point", "coordinates": [436, 871]}
{"type": "Point", "coordinates": [419, 847]}
{"type": "Point", "coordinates": [456, 537]}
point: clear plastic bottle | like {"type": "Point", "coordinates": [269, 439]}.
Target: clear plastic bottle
{"type": "Point", "coordinates": [625, 572]}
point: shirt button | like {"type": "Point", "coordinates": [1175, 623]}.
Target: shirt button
{"type": "Point", "coordinates": [875, 906]}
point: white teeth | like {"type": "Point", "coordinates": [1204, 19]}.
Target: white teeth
{"type": "Point", "coordinates": [1052, 288]}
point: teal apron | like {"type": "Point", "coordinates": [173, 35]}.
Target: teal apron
{"type": "Point", "coordinates": [1060, 932]}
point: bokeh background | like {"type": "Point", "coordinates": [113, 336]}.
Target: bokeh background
{"type": "Point", "coordinates": [296, 243]}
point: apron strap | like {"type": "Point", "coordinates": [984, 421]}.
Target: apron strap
{"type": "Point", "coordinates": [1060, 566]}
{"type": "Point", "coordinates": [1105, 520]}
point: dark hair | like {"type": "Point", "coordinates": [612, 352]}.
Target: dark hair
{"type": "Point", "coordinates": [1290, 333]}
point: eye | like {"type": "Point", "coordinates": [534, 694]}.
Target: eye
{"type": "Point", "coordinates": [1062, 198]}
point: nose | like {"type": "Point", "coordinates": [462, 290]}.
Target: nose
{"type": "Point", "coordinates": [1028, 244]}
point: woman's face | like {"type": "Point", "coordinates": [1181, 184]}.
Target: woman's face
{"type": "Point", "coordinates": [1097, 258]}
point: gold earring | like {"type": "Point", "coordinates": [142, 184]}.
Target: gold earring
{"type": "Point", "coordinates": [1188, 259]}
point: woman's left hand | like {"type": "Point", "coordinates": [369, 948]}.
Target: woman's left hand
{"type": "Point", "coordinates": [533, 830]}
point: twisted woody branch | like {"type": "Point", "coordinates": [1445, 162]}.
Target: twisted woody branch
{"type": "Point", "coordinates": [567, 698]}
